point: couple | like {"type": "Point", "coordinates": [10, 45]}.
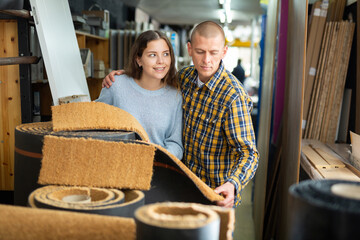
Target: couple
{"type": "Point", "coordinates": [203, 106]}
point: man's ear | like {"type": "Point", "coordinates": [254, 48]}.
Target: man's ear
{"type": "Point", "coordinates": [189, 48]}
{"type": "Point", "coordinates": [225, 51]}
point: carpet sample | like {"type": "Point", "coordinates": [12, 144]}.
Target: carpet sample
{"type": "Point", "coordinates": [94, 115]}
{"type": "Point", "coordinates": [29, 223]}
{"type": "Point", "coordinates": [96, 163]}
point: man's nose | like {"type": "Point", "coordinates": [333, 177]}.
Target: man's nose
{"type": "Point", "coordinates": [206, 58]}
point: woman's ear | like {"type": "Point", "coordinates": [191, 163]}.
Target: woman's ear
{"type": "Point", "coordinates": [138, 61]}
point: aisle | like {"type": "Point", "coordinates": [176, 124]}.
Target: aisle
{"type": "Point", "coordinates": [244, 223]}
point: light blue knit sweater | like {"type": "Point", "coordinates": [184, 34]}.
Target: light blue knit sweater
{"type": "Point", "coordinates": [159, 111]}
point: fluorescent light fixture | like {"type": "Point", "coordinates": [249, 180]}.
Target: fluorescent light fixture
{"type": "Point", "coordinates": [222, 17]}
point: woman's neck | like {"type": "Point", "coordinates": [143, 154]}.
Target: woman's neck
{"type": "Point", "coordinates": [150, 84]}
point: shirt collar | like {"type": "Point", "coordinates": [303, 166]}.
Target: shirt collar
{"type": "Point", "coordinates": [211, 84]}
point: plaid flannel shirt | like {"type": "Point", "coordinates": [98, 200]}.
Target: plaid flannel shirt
{"type": "Point", "coordinates": [218, 135]}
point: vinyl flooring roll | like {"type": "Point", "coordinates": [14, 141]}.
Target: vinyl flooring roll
{"type": "Point", "coordinates": [176, 221]}
{"type": "Point", "coordinates": [28, 153]}
{"type": "Point", "coordinates": [324, 209]}
{"type": "Point", "coordinates": [102, 201]}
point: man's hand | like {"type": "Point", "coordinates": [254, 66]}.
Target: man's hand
{"type": "Point", "coordinates": [110, 78]}
{"type": "Point", "coordinates": [228, 191]}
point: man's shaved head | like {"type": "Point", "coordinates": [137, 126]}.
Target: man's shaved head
{"type": "Point", "coordinates": [208, 29]}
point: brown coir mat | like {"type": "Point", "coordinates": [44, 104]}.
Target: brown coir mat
{"type": "Point", "coordinates": [96, 163]}
{"type": "Point", "coordinates": [99, 200]}
{"type": "Point", "coordinates": [29, 223]}
{"type": "Point", "coordinates": [94, 115]}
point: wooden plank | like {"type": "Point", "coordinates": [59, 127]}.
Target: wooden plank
{"type": "Point", "coordinates": [332, 160]}
{"type": "Point", "coordinates": [313, 54]}
{"type": "Point", "coordinates": [10, 102]}
{"type": "Point", "coordinates": [312, 115]}
{"type": "Point", "coordinates": [332, 71]}
{"type": "Point", "coordinates": [315, 158]}
{"type": "Point", "coordinates": [343, 62]}
{"type": "Point", "coordinates": [339, 173]}
{"type": "Point", "coordinates": [357, 113]}
{"type": "Point", "coordinates": [265, 117]}
{"type": "Point", "coordinates": [309, 169]}
{"type": "Point", "coordinates": [339, 150]}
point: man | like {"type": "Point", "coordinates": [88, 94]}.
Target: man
{"type": "Point", "coordinates": [219, 140]}
{"type": "Point", "coordinates": [239, 72]}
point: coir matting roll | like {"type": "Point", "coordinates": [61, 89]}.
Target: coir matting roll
{"type": "Point", "coordinates": [28, 153]}
{"type": "Point", "coordinates": [29, 223]}
{"type": "Point", "coordinates": [324, 209]}
{"type": "Point", "coordinates": [94, 115]}
{"type": "Point", "coordinates": [175, 221]}
{"type": "Point", "coordinates": [102, 201]}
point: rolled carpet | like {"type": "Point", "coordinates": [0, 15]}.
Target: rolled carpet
{"type": "Point", "coordinates": [94, 115]}
{"type": "Point", "coordinates": [324, 209]}
{"type": "Point", "coordinates": [176, 221]}
{"type": "Point", "coordinates": [111, 202]}
{"type": "Point", "coordinates": [40, 224]}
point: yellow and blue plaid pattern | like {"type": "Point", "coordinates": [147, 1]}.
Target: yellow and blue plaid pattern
{"type": "Point", "coordinates": [218, 135]}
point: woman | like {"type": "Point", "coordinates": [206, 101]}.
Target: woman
{"type": "Point", "coordinates": [149, 91]}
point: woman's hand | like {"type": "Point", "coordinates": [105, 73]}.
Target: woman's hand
{"type": "Point", "coordinates": [110, 78]}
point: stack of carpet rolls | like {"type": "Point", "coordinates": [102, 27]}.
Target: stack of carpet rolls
{"type": "Point", "coordinates": [105, 176]}
{"type": "Point", "coordinates": [154, 221]}
{"type": "Point", "coordinates": [324, 209]}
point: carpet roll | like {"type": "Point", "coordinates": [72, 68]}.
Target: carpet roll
{"type": "Point", "coordinates": [29, 223]}
{"type": "Point", "coordinates": [29, 140]}
{"type": "Point", "coordinates": [94, 115]}
{"type": "Point", "coordinates": [324, 209]}
{"type": "Point", "coordinates": [103, 201]}
{"type": "Point", "coordinates": [176, 221]}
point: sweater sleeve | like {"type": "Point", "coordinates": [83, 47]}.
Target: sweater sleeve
{"type": "Point", "coordinates": [173, 142]}
{"type": "Point", "coordinates": [105, 96]}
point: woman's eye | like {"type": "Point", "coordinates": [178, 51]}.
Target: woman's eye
{"type": "Point", "coordinates": [152, 55]}
{"type": "Point", "coordinates": [166, 54]}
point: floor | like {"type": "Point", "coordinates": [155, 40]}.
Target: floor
{"type": "Point", "coordinates": [244, 223]}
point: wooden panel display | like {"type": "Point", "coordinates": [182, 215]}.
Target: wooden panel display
{"type": "Point", "coordinates": [10, 102]}
{"type": "Point", "coordinates": [292, 130]}
{"type": "Point", "coordinates": [325, 105]}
